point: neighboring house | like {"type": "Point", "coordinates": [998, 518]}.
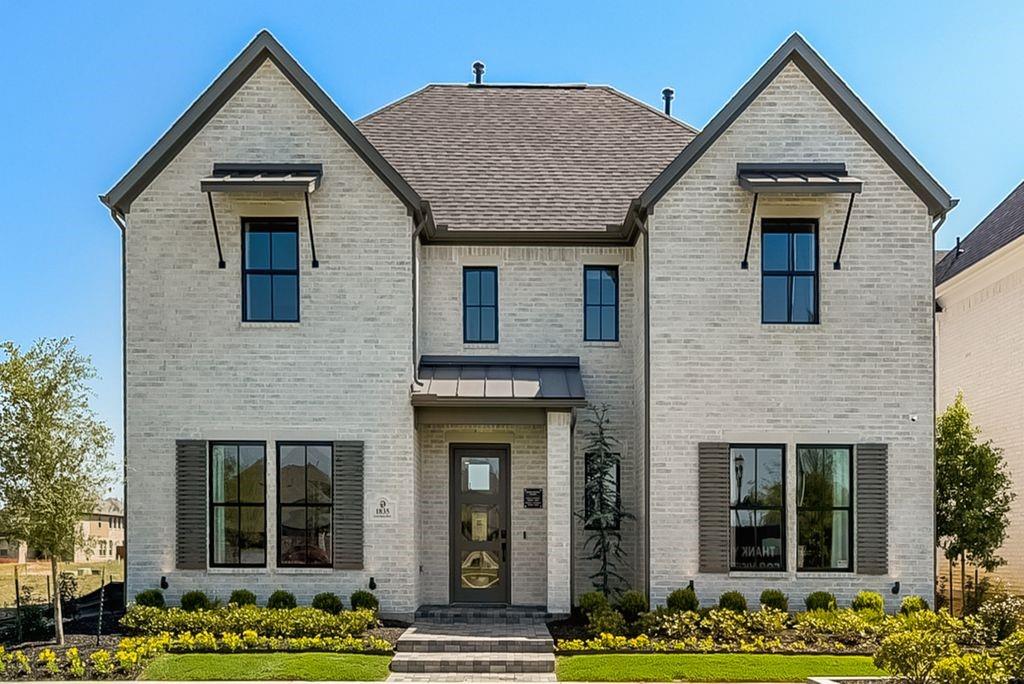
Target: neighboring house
{"type": "Point", "coordinates": [358, 354]}
{"type": "Point", "coordinates": [13, 551]}
{"type": "Point", "coordinates": [979, 290]}
{"type": "Point", "coordinates": [103, 530]}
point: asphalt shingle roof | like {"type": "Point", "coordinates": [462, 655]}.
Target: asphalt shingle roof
{"type": "Point", "coordinates": [1001, 227]}
{"type": "Point", "coordinates": [526, 157]}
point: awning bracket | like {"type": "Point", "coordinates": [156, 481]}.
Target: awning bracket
{"type": "Point", "coordinates": [837, 264]}
{"type": "Point", "coordinates": [750, 230]}
{"type": "Point", "coordinates": [216, 233]}
{"type": "Point", "coordinates": [309, 222]}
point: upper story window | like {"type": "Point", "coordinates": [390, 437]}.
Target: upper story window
{"type": "Point", "coordinates": [601, 303]}
{"type": "Point", "coordinates": [757, 511]}
{"type": "Point", "coordinates": [824, 508]}
{"type": "Point", "coordinates": [304, 504]}
{"type": "Point", "coordinates": [480, 304]}
{"type": "Point", "coordinates": [270, 270]}
{"type": "Point", "coordinates": [238, 509]}
{"type": "Point", "coordinates": [789, 271]}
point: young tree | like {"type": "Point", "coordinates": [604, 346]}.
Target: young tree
{"type": "Point", "coordinates": [973, 493]}
{"type": "Point", "coordinates": [602, 513]}
{"type": "Point", "coordinates": [53, 451]}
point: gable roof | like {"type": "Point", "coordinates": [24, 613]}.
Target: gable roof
{"type": "Point", "coordinates": [263, 47]}
{"type": "Point", "coordinates": [797, 51]}
{"type": "Point", "coordinates": [548, 162]}
{"type": "Point", "coordinates": [1001, 227]}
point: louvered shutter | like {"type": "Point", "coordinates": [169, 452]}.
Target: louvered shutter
{"type": "Point", "coordinates": [872, 521]}
{"type": "Point", "coordinates": [190, 483]}
{"type": "Point", "coordinates": [348, 505]}
{"type": "Point", "coordinates": [713, 500]}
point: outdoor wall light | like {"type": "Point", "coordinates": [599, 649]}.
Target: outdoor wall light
{"type": "Point", "coordinates": [690, 585]}
{"type": "Point", "coordinates": [373, 584]}
{"type": "Point", "coordinates": [163, 582]}
{"type": "Point", "coordinates": [896, 587]}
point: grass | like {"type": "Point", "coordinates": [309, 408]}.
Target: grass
{"type": "Point", "coordinates": [267, 666]}
{"type": "Point", "coordinates": [35, 574]}
{"type": "Point", "coordinates": [711, 667]}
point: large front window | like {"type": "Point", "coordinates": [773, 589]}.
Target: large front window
{"type": "Point", "coordinates": [480, 304]}
{"type": "Point", "coordinates": [601, 303]}
{"type": "Point", "coordinates": [756, 508]}
{"type": "Point", "coordinates": [270, 273]}
{"type": "Point", "coordinates": [789, 271]}
{"type": "Point", "coordinates": [304, 495]}
{"type": "Point", "coordinates": [824, 508]}
{"type": "Point", "coordinates": [238, 511]}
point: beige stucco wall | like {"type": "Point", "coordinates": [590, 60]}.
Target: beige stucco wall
{"type": "Point", "coordinates": [862, 375]}
{"type": "Point", "coordinates": [103, 535]}
{"type": "Point", "coordinates": [980, 350]}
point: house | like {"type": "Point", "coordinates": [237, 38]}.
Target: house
{"type": "Point", "coordinates": [979, 291]}
{"type": "Point", "coordinates": [103, 531]}
{"type": "Point", "coordinates": [359, 354]}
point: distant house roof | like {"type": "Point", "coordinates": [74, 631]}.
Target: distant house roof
{"type": "Point", "coordinates": [551, 158]}
{"type": "Point", "coordinates": [109, 506]}
{"type": "Point", "coordinates": [1001, 227]}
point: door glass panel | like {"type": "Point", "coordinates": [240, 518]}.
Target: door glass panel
{"type": "Point", "coordinates": [480, 474]}
{"type": "Point", "coordinates": [479, 570]}
{"type": "Point", "coordinates": [480, 522]}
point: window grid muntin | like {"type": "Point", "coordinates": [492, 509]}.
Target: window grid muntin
{"type": "Point", "coordinates": [791, 227]}
{"type": "Point", "coordinates": [848, 508]}
{"type": "Point", "coordinates": [238, 504]}
{"type": "Point", "coordinates": [757, 507]}
{"type": "Point", "coordinates": [270, 226]}
{"type": "Point", "coordinates": [478, 307]}
{"type": "Point", "coordinates": [602, 308]}
{"type": "Point", "coordinates": [305, 505]}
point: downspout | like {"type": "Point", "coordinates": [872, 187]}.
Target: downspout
{"type": "Point", "coordinates": [415, 292]}
{"type": "Point", "coordinates": [119, 219]}
{"type": "Point", "coordinates": [935, 370]}
{"type": "Point", "coordinates": [642, 227]}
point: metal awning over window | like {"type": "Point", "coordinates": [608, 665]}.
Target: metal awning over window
{"type": "Point", "coordinates": [797, 178]}
{"type": "Point", "coordinates": [250, 177]}
{"type": "Point", "coordinates": [540, 381]}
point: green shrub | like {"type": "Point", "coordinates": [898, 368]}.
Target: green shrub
{"type": "Point", "coordinates": [868, 600]}
{"type": "Point", "coordinates": [843, 625]}
{"type": "Point", "coordinates": [281, 599]}
{"type": "Point", "coordinates": [912, 655]}
{"type": "Point", "coordinates": [293, 622]}
{"type": "Point", "coordinates": [631, 604]}
{"type": "Point", "coordinates": [153, 598]}
{"type": "Point", "coordinates": [591, 601]}
{"type": "Point", "coordinates": [363, 599]}
{"type": "Point", "coordinates": [773, 598]}
{"type": "Point", "coordinates": [242, 597]}
{"type": "Point", "coordinates": [969, 668]}
{"type": "Point", "coordinates": [195, 600]}
{"type": "Point", "coordinates": [912, 604]}
{"type": "Point", "coordinates": [820, 600]}
{"type": "Point", "coordinates": [999, 618]}
{"type": "Point", "coordinates": [683, 599]}
{"type": "Point", "coordinates": [328, 602]}
{"type": "Point", "coordinates": [1011, 654]}
{"type": "Point", "coordinates": [734, 601]}
{"type": "Point", "coordinates": [606, 621]}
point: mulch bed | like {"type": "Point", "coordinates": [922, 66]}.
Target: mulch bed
{"type": "Point", "coordinates": [391, 630]}
{"type": "Point", "coordinates": [568, 628]}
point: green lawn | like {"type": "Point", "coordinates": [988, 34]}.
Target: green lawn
{"type": "Point", "coordinates": [712, 667]}
{"type": "Point", "coordinates": [267, 666]}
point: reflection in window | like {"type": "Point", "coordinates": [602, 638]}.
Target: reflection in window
{"type": "Point", "coordinates": [304, 504]}
{"type": "Point", "coordinates": [789, 271]}
{"type": "Point", "coordinates": [270, 274]}
{"type": "Point", "coordinates": [824, 508]}
{"type": "Point", "coordinates": [601, 303]}
{"type": "Point", "coordinates": [238, 504]}
{"type": "Point", "coordinates": [480, 304]}
{"type": "Point", "coordinates": [756, 508]}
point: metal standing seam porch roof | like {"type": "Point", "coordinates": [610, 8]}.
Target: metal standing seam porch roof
{"type": "Point", "coordinates": [248, 177]}
{"type": "Point", "coordinates": [798, 178]}
{"type": "Point", "coordinates": [541, 381]}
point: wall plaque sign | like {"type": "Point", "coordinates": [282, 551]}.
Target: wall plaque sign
{"type": "Point", "coordinates": [382, 509]}
{"type": "Point", "coordinates": [533, 497]}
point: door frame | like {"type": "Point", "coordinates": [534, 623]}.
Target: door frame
{"type": "Point", "coordinates": [504, 454]}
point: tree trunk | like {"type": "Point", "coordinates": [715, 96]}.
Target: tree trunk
{"type": "Point", "coordinates": [58, 617]}
{"type": "Point", "coordinates": [951, 590]}
{"type": "Point", "coordinates": [963, 584]}
{"type": "Point", "coordinates": [977, 592]}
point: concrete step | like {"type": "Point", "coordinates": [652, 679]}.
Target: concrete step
{"type": "Point", "coordinates": [473, 662]}
{"type": "Point", "coordinates": [426, 637]}
{"type": "Point", "coordinates": [482, 614]}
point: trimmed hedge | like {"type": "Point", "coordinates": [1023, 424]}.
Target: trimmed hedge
{"type": "Point", "coordinates": [820, 600]}
{"type": "Point", "coordinates": [268, 622]}
{"type": "Point", "coordinates": [773, 598]}
{"type": "Point", "coordinates": [281, 600]}
{"type": "Point", "coordinates": [195, 600]}
{"type": "Point", "coordinates": [631, 604]}
{"type": "Point", "coordinates": [734, 601]}
{"type": "Point", "coordinates": [683, 599]}
{"type": "Point", "coordinates": [153, 598]}
{"type": "Point", "coordinates": [592, 601]}
{"type": "Point", "coordinates": [242, 597]}
{"type": "Point", "coordinates": [328, 602]}
{"type": "Point", "coordinates": [868, 600]}
{"type": "Point", "coordinates": [363, 599]}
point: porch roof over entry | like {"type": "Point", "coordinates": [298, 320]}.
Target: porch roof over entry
{"type": "Point", "coordinates": [537, 381]}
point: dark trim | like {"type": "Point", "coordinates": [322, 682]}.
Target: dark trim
{"type": "Point", "coordinates": [838, 263]}
{"type": "Point", "coordinates": [483, 402]}
{"type": "Point", "coordinates": [818, 168]}
{"type": "Point", "coordinates": [600, 267]}
{"type": "Point", "coordinates": [441, 360]}
{"type": "Point", "coordinates": [745, 264]}
{"type": "Point", "coordinates": [781, 508]}
{"type": "Point", "coordinates": [305, 505]}
{"type": "Point", "coordinates": [849, 508]}
{"type": "Point", "coordinates": [610, 235]}
{"type": "Point", "coordinates": [785, 225]}
{"type": "Point", "coordinates": [466, 270]}
{"type": "Point", "coordinates": [263, 47]}
{"type": "Point", "coordinates": [275, 224]}
{"type": "Point", "coordinates": [216, 232]}
{"type": "Point", "coordinates": [124, 398]}
{"type": "Point", "coordinates": [797, 51]}
{"type": "Point", "coordinates": [618, 489]}
{"type": "Point", "coordinates": [210, 505]}
{"type": "Point", "coordinates": [309, 223]}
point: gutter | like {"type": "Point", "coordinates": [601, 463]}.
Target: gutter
{"type": "Point", "coordinates": [119, 219]}
{"type": "Point", "coordinates": [420, 227]}
{"type": "Point", "coordinates": [641, 227]}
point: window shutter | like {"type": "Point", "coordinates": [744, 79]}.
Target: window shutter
{"type": "Point", "coordinates": [190, 551]}
{"type": "Point", "coordinates": [348, 505]}
{"type": "Point", "coordinates": [713, 499]}
{"type": "Point", "coordinates": [872, 522]}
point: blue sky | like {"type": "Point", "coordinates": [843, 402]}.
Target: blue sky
{"type": "Point", "coordinates": [89, 87]}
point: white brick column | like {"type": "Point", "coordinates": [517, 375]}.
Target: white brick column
{"type": "Point", "coordinates": [559, 508]}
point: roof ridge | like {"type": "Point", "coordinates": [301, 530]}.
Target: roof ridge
{"type": "Point", "coordinates": [637, 101]}
{"type": "Point", "coordinates": [394, 103]}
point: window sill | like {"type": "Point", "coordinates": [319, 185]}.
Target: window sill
{"type": "Point", "coordinates": [759, 574]}
{"type": "Point", "coordinates": [480, 345]}
{"type": "Point", "coordinates": [302, 571]}
{"type": "Point", "coordinates": [237, 571]}
{"type": "Point", "coordinates": [826, 574]}
{"type": "Point", "coordinates": [602, 343]}
{"type": "Point", "coordinates": [272, 325]}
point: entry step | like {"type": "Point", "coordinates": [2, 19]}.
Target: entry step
{"type": "Point", "coordinates": [425, 637]}
{"type": "Point", "coordinates": [481, 614]}
{"type": "Point", "coordinates": [473, 662]}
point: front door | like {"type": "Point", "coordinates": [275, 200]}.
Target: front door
{"type": "Point", "coordinates": [479, 524]}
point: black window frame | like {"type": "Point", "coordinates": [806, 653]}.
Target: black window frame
{"type": "Point", "coordinates": [614, 270]}
{"type": "Point", "coordinates": [466, 270]}
{"type": "Point", "coordinates": [792, 226]}
{"type": "Point", "coordinates": [212, 506]}
{"type": "Point", "coordinates": [587, 503]}
{"type": "Point", "coordinates": [784, 554]}
{"type": "Point", "coordinates": [849, 508]}
{"type": "Point", "coordinates": [274, 224]}
{"type": "Point", "coordinates": [305, 505]}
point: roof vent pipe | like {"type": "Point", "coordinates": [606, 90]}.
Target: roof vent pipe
{"type": "Point", "coordinates": [959, 249]}
{"type": "Point", "coordinates": [478, 72]}
{"type": "Point", "coordinates": [667, 94]}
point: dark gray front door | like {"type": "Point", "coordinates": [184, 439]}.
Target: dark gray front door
{"type": "Point", "coordinates": [479, 524]}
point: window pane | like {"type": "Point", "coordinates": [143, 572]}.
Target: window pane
{"type": "Point", "coordinates": [257, 249]}
{"type": "Point", "coordinates": [756, 540]}
{"type": "Point", "coordinates": [480, 474]}
{"type": "Point", "coordinates": [488, 324]}
{"type": "Point", "coordinates": [488, 287]}
{"type": "Point", "coordinates": [319, 523]}
{"type": "Point", "coordinates": [609, 285]}
{"type": "Point", "coordinates": [742, 476]}
{"type": "Point", "coordinates": [823, 540]}
{"type": "Point", "coordinates": [225, 473]}
{"type": "Point", "coordinates": [284, 250]}
{"type": "Point", "coordinates": [225, 535]}
{"type": "Point", "coordinates": [291, 481]}
{"type": "Point", "coordinates": [608, 323]}
{"type": "Point", "coordinates": [774, 293]}
{"type": "Point", "coordinates": [286, 297]}
{"type": "Point", "coordinates": [592, 286]}
{"type": "Point", "coordinates": [769, 477]}
{"type": "Point", "coordinates": [593, 323]}
{"type": "Point", "coordinates": [253, 537]}
{"type": "Point", "coordinates": [803, 252]}
{"type": "Point", "coordinates": [775, 252]}
{"type": "Point", "coordinates": [823, 478]}
{"type": "Point", "coordinates": [472, 294]}
{"type": "Point", "coordinates": [251, 487]}
{"type": "Point", "coordinates": [473, 324]}
{"type": "Point", "coordinates": [293, 535]}
{"type": "Point", "coordinates": [257, 297]}
{"type": "Point", "coordinates": [318, 474]}
{"type": "Point", "coordinates": [803, 299]}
